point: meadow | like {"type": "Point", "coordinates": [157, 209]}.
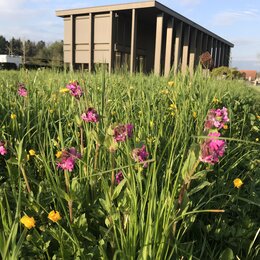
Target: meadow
{"type": "Point", "coordinates": [98, 166]}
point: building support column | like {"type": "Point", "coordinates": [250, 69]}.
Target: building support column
{"type": "Point", "coordinates": [205, 43]}
{"type": "Point", "coordinates": [158, 44]}
{"type": "Point", "coordinates": [218, 53]}
{"type": "Point", "coordinates": [178, 43]}
{"type": "Point", "coordinates": [90, 31]}
{"type": "Point", "coordinates": [210, 45]}
{"type": "Point", "coordinates": [133, 41]}
{"type": "Point", "coordinates": [198, 47]}
{"type": "Point", "coordinates": [214, 53]}
{"type": "Point", "coordinates": [72, 43]}
{"type": "Point", "coordinates": [111, 44]}
{"type": "Point", "coordinates": [193, 47]}
{"type": "Point", "coordinates": [222, 54]}
{"type": "Point", "coordinates": [185, 50]}
{"type": "Point", "coordinates": [228, 55]}
{"type": "Point", "coordinates": [168, 51]}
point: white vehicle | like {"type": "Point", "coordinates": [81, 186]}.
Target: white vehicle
{"type": "Point", "coordinates": [13, 59]}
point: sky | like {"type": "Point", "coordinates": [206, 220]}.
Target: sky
{"type": "Point", "coordinates": [237, 21]}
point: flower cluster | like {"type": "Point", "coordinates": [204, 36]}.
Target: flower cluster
{"type": "Point", "coordinates": [90, 115]}
{"type": "Point", "coordinates": [216, 118]}
{"type": "Point", "coordinates": [121, 132]}
{"type": "Point", "coordinates": [3, 150]}
{"type": "Point", "coordinates": [29, 222]}
{"type": "Point", "coordinates": [140, 155]}
{"type": "Point", "coordinates": [22, 91]}
{"type": "Point", "coordinates": [213, 148]}
{"type": "Point", "coordinates": [119, 177]}
{"type": "Point", "coordinates": [68, 158]}
{"type": "Point", "coordinates": [75, 89]}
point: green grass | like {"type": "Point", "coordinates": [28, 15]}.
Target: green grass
{"type": "Point", "coordinates": [176, 208]}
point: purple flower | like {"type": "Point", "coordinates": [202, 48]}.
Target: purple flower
{"type": "Point", "coordinates": [119, 177]}
{"type": "Point", "coordinates": [90, 115]}
{"type": "Point", "coordinates": [3, 150]}
{"type": "Point", "coordinates": [140, 155]}
{"type": "Point", "coordinates": [22, 91]}
{"type": "Point", "coordinates": [68, 158]}
{"type": "Point", "coordinates": [216, 118]}
{"type": "Point", "coordinates": [121, 132]}
{"type": "Point", "coordinates": [212, 148]}
{"type": "Point", "coordinates": [75, 89]}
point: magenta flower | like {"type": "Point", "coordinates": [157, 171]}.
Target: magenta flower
{"type": "Point", "coordinates": [140, 155]}
{"type": "Point", "coordinates": [121, 132]}
{"type": "Point", "coordinates": [3, 150]}
{"type": "Point", "coordinates": [68, 158]}
{"type": "Point", "coordinates": [22, 91]}
{"type": "Point", "coordinates": [90, 115]}
{"type": "Point", "coordinates": [212, 148]}
{"type": "Point", "coordinates": [119, 177]}
{"type": "Point", "coordinates": [75, 89]}
{"type": "Point", "coordinates": [216, 118]}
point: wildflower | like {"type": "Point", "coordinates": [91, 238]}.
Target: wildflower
{"type": "Point", "coordinates": [216, 118]}
{"type": "Point", "coordinates": [237, 183]}
{"type": "Point", "coordinates": [68, 158]}
{"type": "Point", "coordinates": [165, 91]}
{"type": "Point", "coordinates": [257, 139]}
{"type": "Point", "coordinates": [54, 216]}
{"type": "Point", "coordinates": [212, 148]}
{"type": "Point", "coordinates": [140, 155]}
{"type": "Point", "coordinates": [215, 100]}
{"type": "Point", "coordinates": [225, 127]}
{"type": "Point", "coordinates": [22, 91]}
{"type": "Point", "coordinates": [64, 90]}
{"type": "Point", "coordinates": [171, 83]}
{"type": "Point", "coordinates": [32, 152]}
{"type": "Point", "coordinates": [90, 115]}
{"type": "Point", "coordinates": [3, 150]}
{"type": "Point", "coordinates": [28, 222]}
{"type": "Point", "coordinates": [121, 132]}
{"type": "Point", "coordinates": [257, 116]}
{"type": "Point", "coordinates": [173, 106]}
{"type": "Point", "coordinates": [194, 114]}
{"type": "Point", "coordinates": [119, 177]}
{"type": "Point", "coordinates": [13, 116]}
{"type": "Point", "coordinates": [75, 89]}
{"type": "Point", "coordinates": [58, 154]}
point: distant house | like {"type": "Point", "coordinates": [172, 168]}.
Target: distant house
{"type": "Point", "coordinates": [10, 61]}
{"type": "Point", "coordinates": [249, 75]}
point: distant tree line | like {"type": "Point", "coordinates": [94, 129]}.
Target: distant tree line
{"type": "Point", "coordinates": [34, 54]}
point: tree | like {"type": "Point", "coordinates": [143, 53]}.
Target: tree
{"type": "Point", "coordinates": [3, 45]}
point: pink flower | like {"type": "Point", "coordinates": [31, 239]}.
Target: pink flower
{"type": "Point", "coordinates": [75, 89]}
{"type": "Point", "coordinates": [212, 148]}
{"type": "Point", "coordinates": [140, 155]}
{"type": "Point", "coordinates": [216, 118]}
{"type": "Point", "coordinates": [22, 91]}
{"type": "Point", "coordinates": [3, 150]}
{"type": "Point", "coordinates": [121, 132]}
{"type": "Point", "coordinates": [119, 177]}
{"type": "Point", "coordinates": [90, 115]}
{"type": "Point", "coordinates": [68, 158]}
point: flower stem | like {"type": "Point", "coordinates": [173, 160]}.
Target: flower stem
{"type": "Point", "coordinates": [67, 183]}
{"type": "Point", "coordinates": [25, 179]}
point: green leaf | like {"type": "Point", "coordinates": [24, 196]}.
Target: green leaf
{"type": "Point", "coordinates": [227, 254]}
{"type": "Point", "coordinates": [118, 189]}
{"type": "Point", "coordinates": [199, 187]}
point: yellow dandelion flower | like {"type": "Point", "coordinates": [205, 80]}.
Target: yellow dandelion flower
{"type": "Point", "coordinates": [257, 139]}
{"type": "Point", "coordinates": [215, 100]}
{"type": "Point", "coordinates": [54, 216]}
{"type": "Point", "coordinates": [32, 152]}
{"type": "Point", "coordinates": [225, 127]}
{"type": "Point", "coordinates": [58, 154]}
{"type": "Point", "coordinates": [28, 222]}
{"type": "Point", "coordinates": [194, 114]}
{"type": "Point", "coordinates": [237, 183]}
{"type": "Point", "coordinates": [172, 114]}
{"type": "Point", "coordinates": [171, 83]}
{"type": "Point", "coordinates": [164, 91]}
{"type": "Point", "coordinates": [13, 116]}
{"type": "Point", "coordinates": [51, 111]}
{"type": "Point", "coordinates": [151, 124]}
{"type": "Point", "coordinates": [173, 106]}
{"type": "Point", "coordinates": [64, 90]}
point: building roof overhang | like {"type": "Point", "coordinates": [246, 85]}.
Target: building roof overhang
{"type": "Point", "coordinates": [139, 5]}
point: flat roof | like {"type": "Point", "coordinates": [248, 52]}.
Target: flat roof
{"type": "Point", "coordinates": [139, 5]}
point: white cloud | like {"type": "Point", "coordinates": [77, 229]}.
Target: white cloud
{"type": "Point", "coordinates": [231, 17]}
